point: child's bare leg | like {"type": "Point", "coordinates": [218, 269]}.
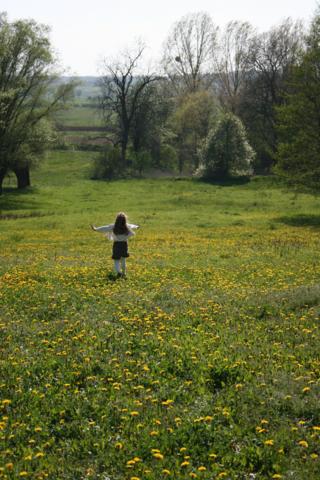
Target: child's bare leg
{"type": "Point", "coordinates": [123, 265]}
{"type": "Point", "coordinates": [117, 266]}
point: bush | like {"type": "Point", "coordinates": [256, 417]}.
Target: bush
{"type": "Point", "coordinates": [168, 158]}
{"type": "Point", "coordinates": [226, 150]}
{"type": "Point", "coordinates": [107, 164]}
{"type": "Point", "coordinates": [141, 161]}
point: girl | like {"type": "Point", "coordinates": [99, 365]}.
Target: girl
{"type": "Point", "coordinates": [119, 232]}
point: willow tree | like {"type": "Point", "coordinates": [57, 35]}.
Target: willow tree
{"type": "Point", "coordinates": [29, 95]}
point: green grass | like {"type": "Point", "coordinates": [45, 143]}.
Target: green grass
{"type": "Point", "coordinates": [203, 363]}
{"type": "Point", "coordinates": [80, 116]}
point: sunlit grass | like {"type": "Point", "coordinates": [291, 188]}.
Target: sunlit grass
{"type": "Point", "coordinates": [204, 363]}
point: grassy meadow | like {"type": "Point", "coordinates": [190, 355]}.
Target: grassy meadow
{"type": "Point", "coordinates": [203, 363]}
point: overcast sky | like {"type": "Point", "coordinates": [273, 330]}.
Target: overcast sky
{"type": "Point", "coordinates": [85, 31]}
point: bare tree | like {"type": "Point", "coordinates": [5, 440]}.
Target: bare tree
{"type": "Point", "coordinates": [272, 54]}
{"type": "Point", "coordinates": [122, 90]}
{"type": "Point", "coordinates": [188, 51]}
{"type": "Point", "coordinates": [231, 62]}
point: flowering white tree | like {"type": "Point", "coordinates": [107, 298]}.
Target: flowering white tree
{"type": "Point", "coordinates": [226, 151]}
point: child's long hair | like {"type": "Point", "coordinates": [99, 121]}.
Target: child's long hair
{"type": "Point", "coordinates": [120, 225]}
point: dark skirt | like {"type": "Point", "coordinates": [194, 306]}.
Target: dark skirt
{"type": "Point", "coordinates": [120, 249]}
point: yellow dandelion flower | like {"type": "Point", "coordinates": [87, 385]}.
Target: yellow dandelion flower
{"type": "Point", "coordinates": [185, 464]}
{"type": "Point", "coordinates": [158, 456]}
{"type": "Point", "coordinates": [23, 474]}
{"type": "Point", "coordinates": [269, 442]}
{"type": "Point", "coordinates": [277, 475]}
{"type": "Point", "coordinates": [306, 390]}
{"type": "Point", "coordinates": [119, 445]}
{"type": "Point", "coordinates": [303, 443]}
{"type": "Point", "coordinates": [166, 403]}
{"type": "Point", "coordinates": [134, 413]}
{"type": "Point", "coordinates": [166, 472]}
{"type": "Point", "coordinates": [9, 466]}
{"type": "Point", "coordinates": [39, 455]}
{"type": "Point", "coordinates": [314, 456]}
{"type": "Point", "coordinates": [202, 468]}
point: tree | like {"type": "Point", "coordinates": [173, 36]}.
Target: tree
{"type": "Point", "coordinates": [188, 52]}
{"type": "Point", "coordinates": [122, 93]}
{"type": "Point", "coordinates": [231, 63]}
{"type": "Point", "coordinates": [226, 150]}
{"type": "Point", "coordinates": [29, 95]}
{"type": "Point", "coordinates": [299, 118]}
{"type": "Point", "coordinates": [271, 56]}
{"type": "Point", "coordinates": [150, 132]}
{"type": "Point", "coordinates": [191, 123]}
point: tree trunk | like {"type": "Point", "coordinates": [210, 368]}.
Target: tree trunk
{"type": "Point", "coordinates": [23, 176]}
{"type": "Point", "coordinates": [3, 172]}
{"type": "Point", "coordinates": [124, 145]}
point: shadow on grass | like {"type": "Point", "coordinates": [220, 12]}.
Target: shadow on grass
{"type": "Point", "coordinates": [13, 199]}
{"type": "Point", "coordinates": [228, 182]}
{"type": "Point", "coordinates": [113, 277]}
{"type": "Point", "coordinates": [301, 220]}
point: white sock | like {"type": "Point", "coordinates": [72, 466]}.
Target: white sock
{"type": "Point", "coordinates": [117, 266]}
{"type": "Point", "coordinates": [123, 265]}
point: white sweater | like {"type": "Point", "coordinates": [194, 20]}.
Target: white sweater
{"type": "Point", "coordinates": [108, 230]}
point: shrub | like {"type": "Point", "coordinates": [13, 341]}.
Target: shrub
{"type": "Point", "coordinates": [141, 161]}
{"type": "Point", "coordinates": [107, 164]}
{"type": "Point", "coordinates": [226, 150]}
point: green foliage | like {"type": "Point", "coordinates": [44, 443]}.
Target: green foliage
{"type": "Point", "coordinates": [191, 122]}
{"type": "Point", "coordinates": [27, 93]}
{"type": "Point", "coordinates": [299, 135]}
{"type": "Point", "coordinates": [226, 150]}
{"type": "Point", "coordinates": [107, 164]}
{"type": "Point", "coordinates": [168, 158]}
{"type": "Point", "coordinates": [141, 161]}
{"type": "Point", "coordinates": [41, 136]}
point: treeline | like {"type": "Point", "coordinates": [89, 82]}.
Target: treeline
{"type": "Point", "coordinates": [222, 101]}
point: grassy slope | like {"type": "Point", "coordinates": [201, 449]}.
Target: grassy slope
{"type": "Point", "coordinates": [202, 364]}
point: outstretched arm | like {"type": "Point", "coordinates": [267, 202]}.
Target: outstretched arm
{"type": "Point", "coordinates": [133, 226]}
{"type": "Point", "coordinates": [103, 229]}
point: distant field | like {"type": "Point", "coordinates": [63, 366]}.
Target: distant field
{"type": "Point", "coordinates": [203, 363]}
{"type": "Point", "coordinates": [80, 116]}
